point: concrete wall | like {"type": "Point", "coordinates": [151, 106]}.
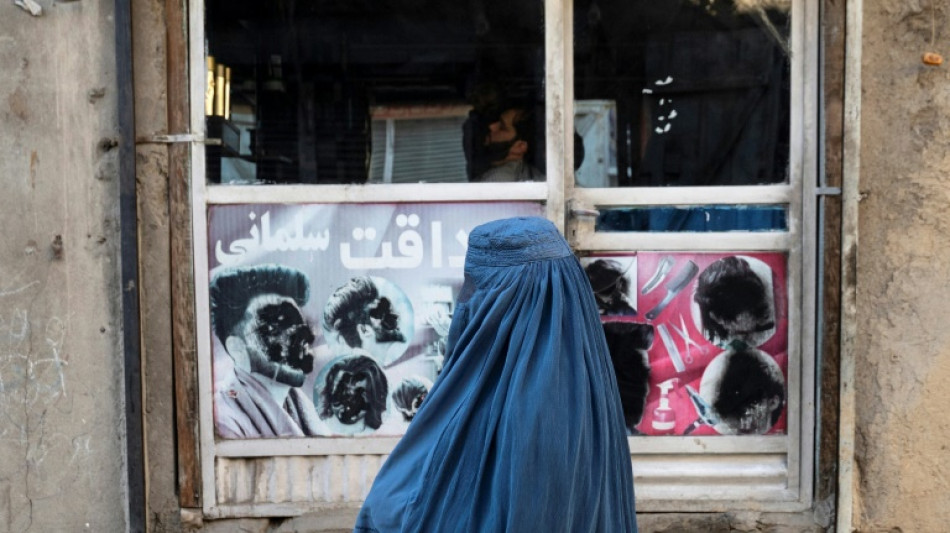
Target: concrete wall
{"type": "Point", "coordinates": [903, 355]}
{"type": "Point", "coordinates": [61, 407]}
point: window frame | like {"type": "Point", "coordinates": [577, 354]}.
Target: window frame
{"type": "Point", "coordinates": [790, 457]}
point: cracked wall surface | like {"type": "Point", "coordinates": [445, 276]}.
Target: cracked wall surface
{"type": "Point", "coordinates": [903, 347]}
{"type": "Point", "coordinates": [61, 410]}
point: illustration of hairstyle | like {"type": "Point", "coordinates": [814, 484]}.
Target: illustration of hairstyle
{"type": "Point", "coordinates": [750, 392]}
{"type": "Point", "coordinates": [409, 395]}
{"type": "Point", "coordinates": [627, 343]}
{"type": "Point", "coordinates": [349, 306]}
{"type": "Point", "coordinates": [733, 301]}
{"type": "Point", "coordinates": [232, 289]}
{"type": "Point", "coordinates": [358, 385]}
{"type": "Point", "coordinates": [610, 287]}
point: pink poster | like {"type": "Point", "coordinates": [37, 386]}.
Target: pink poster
{"type": "Point", "coordinates": [699, 341]}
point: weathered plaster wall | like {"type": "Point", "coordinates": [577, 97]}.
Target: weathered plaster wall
{"type": "Point", "coordinates": [62, 447]}
{"type": "Point", "coordinates": [903, 349]}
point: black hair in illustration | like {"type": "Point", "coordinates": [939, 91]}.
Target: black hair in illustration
{"type": "Point", "coordinates": [232, 289]}
{"type": "Point", "coordinates": [610, 287]}
{"type": "Point", "coordinates": [750, 395]}
{"type": "Point", "coordinates": [355, 389]}
{"type": "Point", "coordinates": [734, 303]}
{"type": "Point", "coordinates": [260, 305]}
{"type": "Point", "coordinates": [408, 397]}
{"type": "Point", "coordinates": [628, 343]}
{"type": "Point", "coordinates": [358, 302]}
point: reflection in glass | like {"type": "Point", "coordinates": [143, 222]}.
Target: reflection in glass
{"type": "Point", "coordinates": [696, 219]}
{"type": "Point", "coordinates": [699, 91]}
{"type": "Point", "coordinates": [595, 124]}
{"type": "Point", "coordinates": [351, 91]}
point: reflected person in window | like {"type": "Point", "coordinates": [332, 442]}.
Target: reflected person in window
{"type": "Point", "coordinates": [507, 148]}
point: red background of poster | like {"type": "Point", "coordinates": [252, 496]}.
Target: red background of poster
{"type": "Point", "coordinates": [695, 358]}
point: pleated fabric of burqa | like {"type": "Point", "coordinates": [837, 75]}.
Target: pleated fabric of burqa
{"type": "Point", "coordinates": [523, 429]}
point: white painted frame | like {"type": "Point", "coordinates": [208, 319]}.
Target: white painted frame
{"type": "Point", "coordinates": [784, 459]}
{"type": "Point", "coordinates": [799, 242]}
{"type": "Point", "coordinates": [848, 478]}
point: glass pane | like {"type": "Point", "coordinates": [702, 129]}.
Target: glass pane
{"type": "Point", "coordinates": [683, 93]}
{"type": "Point", "coordinates": [697, 219]}
{"type": "Point", "coordinates": [349, 91]}
{"type": "Point", "coordinates": [698, 341]}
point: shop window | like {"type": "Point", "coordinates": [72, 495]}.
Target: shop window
{"type": "Point", "coordinates": [353, 146]}
{"type": "Point", "coordinates": [305, 85]}
{"type": "Point", "coordinates": [701, 88]}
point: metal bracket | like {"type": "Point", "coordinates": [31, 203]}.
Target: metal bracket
{"type": "Point", "coordinates": [177, 138]}
{"type": "Point", "coordinates": [827, 191]}
{"type": "Point", "coordinates": [580, 223]}
{"type": "Point", "coordinates": [578, 210]}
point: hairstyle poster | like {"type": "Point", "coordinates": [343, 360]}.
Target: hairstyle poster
{"type": "Point", "coordinates": [330, 320]}
{"type": "Point", "coordinates": [698, 341]}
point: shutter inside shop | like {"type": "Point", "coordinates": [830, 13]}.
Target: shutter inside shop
{"type": "Point", "coordinates": [425, 150]}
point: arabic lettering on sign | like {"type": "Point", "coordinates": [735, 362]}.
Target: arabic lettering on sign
{"type": "Point", "coordinates": [407, 252]}
{"type": "Point", "coordinates": [264, 240]}
{"type": "Point", "coordinates": [455, 261]}
{"type": "Point", "coordinates": [409, 247]}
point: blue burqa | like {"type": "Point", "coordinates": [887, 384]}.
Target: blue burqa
{"type": "Point", "coordinates": [523, 429]}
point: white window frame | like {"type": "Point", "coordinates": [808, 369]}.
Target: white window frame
{"type": "Point", "coordinates": [672, 474]}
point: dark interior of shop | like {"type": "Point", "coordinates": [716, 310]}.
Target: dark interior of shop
{"type": "Point", "coordinates": [696, 91]}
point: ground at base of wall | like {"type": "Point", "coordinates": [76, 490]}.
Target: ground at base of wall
{"type": "Point", "coordinates": [340, 521]}
{"type": "Point", "coordinates": [746, 522]}
{"type": "Point", "coordinates": [728, 523]}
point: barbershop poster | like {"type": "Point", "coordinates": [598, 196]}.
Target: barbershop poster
{"type": "Point", "coordinates": [698, 341]}
{"type": "Point", "coordinates": [330, 320]}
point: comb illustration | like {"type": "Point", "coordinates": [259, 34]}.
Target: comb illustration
{"type": "Point", "coordinates": [673, 287]}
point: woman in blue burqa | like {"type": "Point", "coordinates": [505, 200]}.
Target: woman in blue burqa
{"type": "Point", "coordinates": [523, 429]}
